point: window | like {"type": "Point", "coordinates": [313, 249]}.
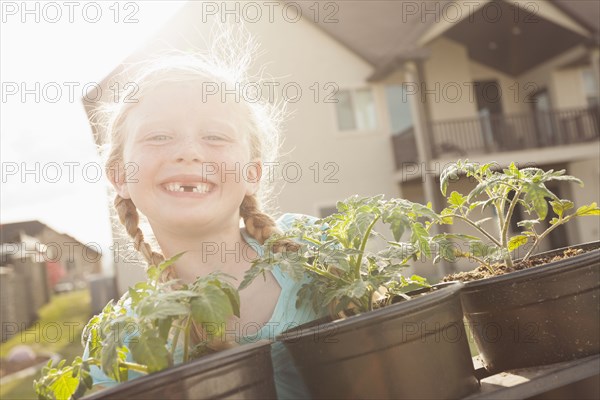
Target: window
{"type": "Point", "coordinates": [356, 110]}
{"type": "Point", "coordinates": [398, 108]}
{"type": "Point", "coordinates": [590, 88]}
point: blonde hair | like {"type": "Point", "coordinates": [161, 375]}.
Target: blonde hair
{"type": "Point", "coordinates": [227, 64]}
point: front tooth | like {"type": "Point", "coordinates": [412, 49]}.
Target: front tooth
{"type": "Point", "coordinates": [178, 187]}
{"type": "Point", "coordinates": [173, 187]}
{"type": "Point", "coordinates": [201, 188]}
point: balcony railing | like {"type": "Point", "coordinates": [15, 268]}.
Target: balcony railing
{"type": "Point", "coordinates": [499, 133]}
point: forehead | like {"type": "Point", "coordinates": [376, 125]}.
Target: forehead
{"type": "Point", "coordinates": [183, 102]}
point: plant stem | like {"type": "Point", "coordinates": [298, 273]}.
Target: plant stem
{"type": "Point", "coordinates": [544, 234]}
{"type": "Point", "coordinates": [363, 245]}
{"type": "Point", "coordinates": [504, 237]}
{"type": "Point", "coordinates": [324, 273]}
{"type": "Point", "coordinates": [186, 338]}
{"type": "Point", "coordinates": [480, 229]}
{"type": "Point", "coordinates": [134, 367]}
{"type": "Point", "coordinates": [482, 262]}
{"type": "Point", "coordinates": [308, 239]}
{"type": "Point", "coordinates": [176, 337]}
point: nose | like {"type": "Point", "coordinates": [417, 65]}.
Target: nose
{"type": "Point", "coordinates": [189, 149]}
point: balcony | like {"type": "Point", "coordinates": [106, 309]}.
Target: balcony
{"type": "Point", "coordinates": [499, 133]}
{"type": "Point", "coordinates": [502, 133]}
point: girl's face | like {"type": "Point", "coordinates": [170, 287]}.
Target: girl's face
{"type": "Point", "coordinates": [187, 159]}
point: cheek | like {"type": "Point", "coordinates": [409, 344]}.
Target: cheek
{"type": "Point", "coordinates": [233, 163]}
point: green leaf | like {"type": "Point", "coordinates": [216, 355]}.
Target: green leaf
{"type": "Point", "coordinates": [152, 272]}
{"type": "Point", "coordinates": [560, 206]}
{"type": "Point", "coordinates": [151, 351]}
{"type": "Point", "coordinates": [162, 309]}
{"type": "Point", "coordinates": [482, 187]}
{"type": "Point", "coordinates": [258, 267]}
{"type": "Point", "coordinates": [212, 307]}
{"type": "Point", "coordinates": [234, 299]}
{"type": "Point", "coordinates": [591, 209]}
{"type": "Point", "coordinates": [357, 289]}
{"type": "Point", "coordinates": [64, 386]}
{"type": "Point", "coordinates": [536, 196]}
{"type": "Point", "coordinates": [164, 326]}
{"type": "Point", "coordinates": [512, 171]}
{"type": "Point", "coordinates": [480, 249]}
{"type": "Point", "coordinates": [398, 223]}
{"type": "Point", "coordinates": [291, 265]}
{"type": "Point", "coordinates": [528, 223]}
{"type": "Point", "coordinates": [517, 241]}
{"type": "Point", "coordinates": [109, 359]}
{"type": "Point", "coordinates": [457, 199]}
{"type": "Point", "coordinates": [420, 236]}
{"type": "Point", "coordinates": [448, 174]}
{"type": "Point", "coordinates": [167, 263]}
{"type": "Point", "coordinates": [447, 250]}
{"type": "Point", "coordinates": [559, 176]}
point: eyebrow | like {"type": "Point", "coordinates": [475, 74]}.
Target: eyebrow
{"type": "Point", "coordinates": [219, 123]}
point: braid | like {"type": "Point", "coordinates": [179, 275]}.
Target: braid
{"type": "Point", "coordinates": [129, 217]}
{"type": "Point", "coordinates": [261, 226]}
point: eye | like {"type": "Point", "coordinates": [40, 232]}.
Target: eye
{"type": "Point", "coordinates": [158, 137]}
{"type": "Point", "coordinates": [215, 137]}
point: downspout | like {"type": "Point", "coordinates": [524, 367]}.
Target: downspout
{"type": "Point", "coordinates": [595, 62]}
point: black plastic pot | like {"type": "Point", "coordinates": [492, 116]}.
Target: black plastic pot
{"type": "Point", "coordinates": [244, 372]}
{"type": "Point", "coordinates": [413, 349]}
{"type": "Point", "coordinates": [537, 316]}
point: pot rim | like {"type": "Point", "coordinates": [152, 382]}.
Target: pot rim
{"type": "Point", "coordinates": [550, 268]}
{"type": "Point", "coordinates": [184, 370]}
{"type": "Point", "coordinates": [453, 289]}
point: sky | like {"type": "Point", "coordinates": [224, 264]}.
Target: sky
{"type": "Point", "coordinates": [50, 52]}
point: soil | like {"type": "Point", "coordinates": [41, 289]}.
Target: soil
{"type": "Point", "coordinates": [7, 368]}
{"type": "Point", "coordinates": [483, 272]}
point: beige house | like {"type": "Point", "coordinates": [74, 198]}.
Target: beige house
{"type": "Point", "coordinates": [36, 261]}
{"type": "Point", "coordinates": [383, 94]}
{"type": "Point", "coordinates": [35, 241]}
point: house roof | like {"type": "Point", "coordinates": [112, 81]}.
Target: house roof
{"type": "Point", "coordinates": [586, 12]}
{"type": "Point", "coordinates": [382, 31]}
{"type": "Point", "coordinates": [11, 233]}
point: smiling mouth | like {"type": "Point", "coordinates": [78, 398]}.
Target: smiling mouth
{"type": "Point", "coordinates": [188, 187]}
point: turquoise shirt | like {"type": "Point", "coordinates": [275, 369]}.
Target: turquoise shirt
{"type": "Point", "coordinates": [285, 315]}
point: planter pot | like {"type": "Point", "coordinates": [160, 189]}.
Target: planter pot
{"type": "Point", "coordinates": [541, 315]}
{"type": "Point", "coordinates": [244, 372]}
{"type": "Point", "coordinates": [412, 349]}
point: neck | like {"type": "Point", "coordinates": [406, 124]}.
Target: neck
{"type": "Point", "coordinates": [222, 250]}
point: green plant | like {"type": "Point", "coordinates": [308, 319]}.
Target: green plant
{"type": "Point", "coordinates": [152, 322]}
{"type": "Point", "coordinates": [334, 252]}
{"type": "Point", "coordinates": [503, 191]}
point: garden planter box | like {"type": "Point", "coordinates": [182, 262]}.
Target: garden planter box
{"type": "Point", "coordinates": [541, 315]}
{"type": "Point", "coordinates": [413, 349]}
{"type": "Point", "coordinates": [244, 372]}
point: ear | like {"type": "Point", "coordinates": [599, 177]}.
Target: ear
{"type": "Point", "coordinates": [252, 175]}
{"type": "Point", "coordinates": [117, 177]}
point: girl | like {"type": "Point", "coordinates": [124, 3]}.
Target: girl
{"type": "Point", "coordinates": [197, 155]}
